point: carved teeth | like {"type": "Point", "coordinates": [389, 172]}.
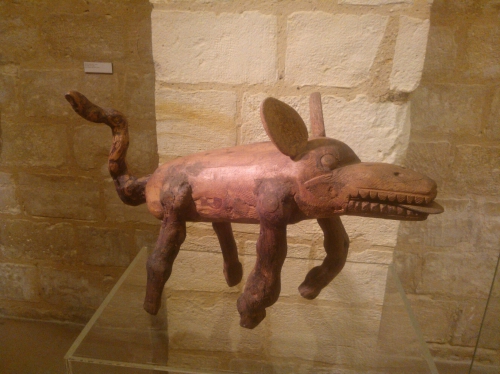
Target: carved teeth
{"type": "Point", "coordinates": [364, 194]}
{"type": "Point", "coordinates": [368, 207]}
{"type": "Point", "coordinates": [372, 203]}
{"type": "Point", "coordinates": [392, 197]}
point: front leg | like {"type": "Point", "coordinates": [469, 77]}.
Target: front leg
{"type": "Point", "coordinates": [263, 286]}
{"type": "Point", "coordinates": [233, 271]}
{"type": "Point", "coordinates": [336, 246]}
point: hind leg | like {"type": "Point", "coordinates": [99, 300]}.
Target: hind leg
{"type": "Point", "coordinates": [233, 271]}
{"type": "Point", "coordinates": [159, 264]}
{"type": "Point", "coordinates": [336, 246]}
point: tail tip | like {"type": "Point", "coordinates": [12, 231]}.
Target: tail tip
{"type": "Point", "coordinates": [73, 96]}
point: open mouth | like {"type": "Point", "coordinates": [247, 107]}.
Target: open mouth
{"type": "Point", "coordinates": [389, 204]}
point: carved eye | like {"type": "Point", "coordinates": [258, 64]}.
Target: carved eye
{"type": "Point", "coordinates": [329, 161]}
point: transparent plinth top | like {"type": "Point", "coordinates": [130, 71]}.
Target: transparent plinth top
{"type": "Point", "coordinates": [199, 332]}
{"type": "Point", "coordinates": [488, 342]}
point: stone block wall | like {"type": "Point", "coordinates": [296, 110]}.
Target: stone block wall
{"type": "Point", "coordinates": [447, 262]}
{"type": "Point", "coordinates": [65, 237]}
{"type": "Point", "coordinates": [216, 61]}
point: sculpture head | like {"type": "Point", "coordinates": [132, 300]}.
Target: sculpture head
{"type": "Point", "coordinates": [332, 179]}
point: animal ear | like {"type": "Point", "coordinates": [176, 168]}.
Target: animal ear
{"type": "Point", "coordinates": [284, 126]}
{"type": "Point", "coordinates": [316, 114]}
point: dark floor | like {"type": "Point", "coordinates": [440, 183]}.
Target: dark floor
{"type": "Point", "coordinates": [36, 347]}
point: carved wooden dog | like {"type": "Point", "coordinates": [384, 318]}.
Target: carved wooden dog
{"type": "Point", "coordinates": [274, 184]}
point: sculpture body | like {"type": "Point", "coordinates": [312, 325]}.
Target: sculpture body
{"type": "Point", "coordinates": [274, 184]}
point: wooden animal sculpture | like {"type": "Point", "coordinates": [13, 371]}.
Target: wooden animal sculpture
{"type": "Point", "coordinates": [274, 184]}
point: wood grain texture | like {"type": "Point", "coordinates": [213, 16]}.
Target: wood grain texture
{"type": "Point", "coordinates": [273, 184]}
{"type": "Point", "coordinates": [131, 190]}
{"type": "Point", "coordinates": [233, 270]}
{"type": "Point", "coordinates": [316, 115]}
{"type": "Point", "coordinates": [336, 245]}
{"type": "Point", "coordinates": [284, 126]}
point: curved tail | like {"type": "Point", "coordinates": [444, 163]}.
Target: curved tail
{"type": "Point", "coordinates": [130, 189]}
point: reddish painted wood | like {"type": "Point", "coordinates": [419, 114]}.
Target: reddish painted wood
{"type": "Point", "coordinates": [263, 286]}
{"type": "Point", "coordinates": [336, 245]}
{"type": "Point", "coordinates": [131, 190]}
{"type": "Point", "coordinates": [273, 184]}
{"type": "Point", "coordinates": [233, 271]}
{"type": "Point", "coordinates": [284, 126]}
{"type": "Point", "coordinates": [316, 115]}
{"type": "Point", "coordinates": [172, 235]}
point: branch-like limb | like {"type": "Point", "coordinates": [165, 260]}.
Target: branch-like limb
{"type": "Point", "coordinates": [233, 271]}
{"type": "Point", "coordinates": [263, 286]}
{"type": "Point", "coordinates": [264, 282]}
{"type": "Point", "coordinates": [336, 246]}
{"type": "Point", "coordinates": [172, 235]}
{"type": "Point", "coordinates": [130, 189]}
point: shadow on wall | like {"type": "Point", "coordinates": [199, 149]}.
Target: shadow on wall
{"type": "Point", "coordinates": [447, 262]}
{"type": "Point", "coordinates": [65, 237]}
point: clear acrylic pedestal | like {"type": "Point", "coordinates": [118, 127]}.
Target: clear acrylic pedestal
{"type": "Point", "coordinates": [199, 332]}
{"type": "Point", "coordinates": [486, 359]}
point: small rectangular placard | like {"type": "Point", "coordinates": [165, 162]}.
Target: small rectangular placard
{"type": "Point", "coordinates": [98, 67]}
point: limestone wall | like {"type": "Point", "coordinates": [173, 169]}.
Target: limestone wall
{"type": "Point", "coordinates": [447, 263]}
{"type": "Point", "coordinates": [216, 61]}
{"type": "Point", "coordinates": [65, 237]}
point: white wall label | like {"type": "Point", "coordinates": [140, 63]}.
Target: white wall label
{"type": "Point", "coordinates": [98, 67]}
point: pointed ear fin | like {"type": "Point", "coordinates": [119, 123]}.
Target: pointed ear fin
{"type": "Point", "coordinates": [316, 113]}
{"type": "Point", "coordinates": [284, 126]}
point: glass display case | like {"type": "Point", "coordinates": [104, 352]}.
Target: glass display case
{"type": "Point", "coordinates": [199, 332]}
{"type": "Point", "coordinates": [486, 359]}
